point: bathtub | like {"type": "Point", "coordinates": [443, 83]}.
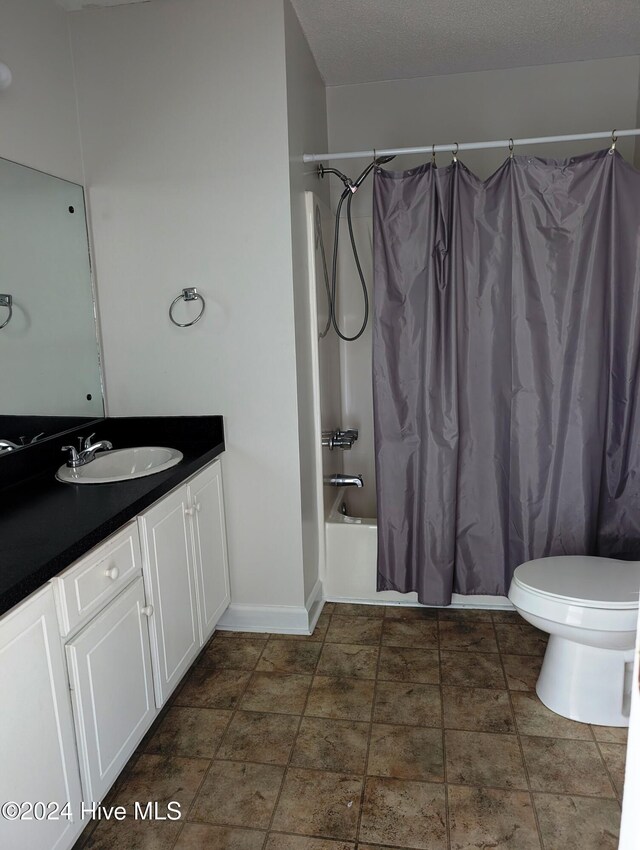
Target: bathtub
{"type": "Point", "coordinates": [351, 550]}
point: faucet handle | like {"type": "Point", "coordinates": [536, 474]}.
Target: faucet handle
{"type": "Point", "coordinates": [73, 455]}
{"type": "Point", "coordinates": [87, 443]}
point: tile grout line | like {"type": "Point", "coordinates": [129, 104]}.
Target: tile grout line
{"type": "Point", "coordinates": [370, 732]}
{"type": "Point", "coordinates": [520, 747]}
{"type": "Point", "coordinates": [444, 741]}
{"type": "Point", "coordinates": [295, 738]}
{"type": "Point", "coordinates": [234, 711]}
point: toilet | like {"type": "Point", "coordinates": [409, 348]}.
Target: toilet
{"type": "Point", "coordinates": [589, 607]}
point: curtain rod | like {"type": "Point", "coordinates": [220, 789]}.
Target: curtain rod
{"type": "Point", "coordinates": [468, 146]}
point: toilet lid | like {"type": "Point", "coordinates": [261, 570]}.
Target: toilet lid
{"type": "Point", "coordinates": [587, 581]}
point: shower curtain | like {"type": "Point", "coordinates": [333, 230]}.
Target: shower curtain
{"type": "Point", "coordinates": [506, 337]}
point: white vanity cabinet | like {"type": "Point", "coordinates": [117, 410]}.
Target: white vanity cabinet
{"type": "Point", "coordinates": [104, 620]}
{"type": "Point", "coordinates": [39, 760]}
{"type": "Point", "coordinates": [186, 574]}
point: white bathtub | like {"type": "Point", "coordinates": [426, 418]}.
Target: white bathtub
{"type": "Point", "coordinates": [351, 550]}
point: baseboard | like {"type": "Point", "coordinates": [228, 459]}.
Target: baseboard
{"type": "Point", "coordinates": [280, 619]}
{"type": "Point", "coordinates": [458, 601]}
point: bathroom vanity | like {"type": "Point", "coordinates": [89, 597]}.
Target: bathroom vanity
{"type": "Point", "coordinates": [114, 608]}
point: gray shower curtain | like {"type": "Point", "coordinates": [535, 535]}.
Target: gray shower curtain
{"type": "Point", "coordinates": [506, 338]}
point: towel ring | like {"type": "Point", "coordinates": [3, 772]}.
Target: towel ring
{"type": "Point", "coordinates": [189, 294]}
{"type": "Point", "coordinates": [6, 301]}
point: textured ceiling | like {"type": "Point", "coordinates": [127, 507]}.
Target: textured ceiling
{"type": "Point", "coordinates": [356, 41]}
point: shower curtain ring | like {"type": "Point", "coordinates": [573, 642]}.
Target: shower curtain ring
{"type": "Point", "coordinates": [510, 148]}
{"type": "Point", "coordinates": [614, 139]}
{"type": "Point", "coordinates": [455, 153]}
{"type": "Point", "coordinates": [433, 156]}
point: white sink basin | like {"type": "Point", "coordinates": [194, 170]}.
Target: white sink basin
{"type": "Point", "coordinates": [121, 465]}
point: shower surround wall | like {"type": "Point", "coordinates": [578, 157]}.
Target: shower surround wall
{"type": "Point", "coordinates": [573, 97]}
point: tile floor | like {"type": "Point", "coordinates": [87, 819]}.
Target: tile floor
{"type": "Point", "coordinates": [388, 727]}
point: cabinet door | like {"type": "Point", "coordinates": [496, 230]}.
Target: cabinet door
{"type": "Point", "coordinates": [210, 547]}
{"type": "Point", "coordinates": [37, 747]}
{"type": "Point", "coordinates": [170, 585]}
{"type": "Point", "coordinates": [112, 688]}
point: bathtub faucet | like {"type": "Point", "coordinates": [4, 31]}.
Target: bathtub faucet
{"type": "Point", "coordinates": [339, 480]}
{"type": "Point", "coordinates": [339, 439]}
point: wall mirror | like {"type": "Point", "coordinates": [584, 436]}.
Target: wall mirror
{"type": "Point", "coordinates": [50, 377]}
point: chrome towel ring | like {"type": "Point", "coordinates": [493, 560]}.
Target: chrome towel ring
{"type": "Point", "coordinates": [6, 301]}
{"type": "Point", "coordinates": [189, 294]}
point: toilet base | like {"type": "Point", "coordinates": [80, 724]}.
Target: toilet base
{"type": "Point", "coordinates": [586, 683]}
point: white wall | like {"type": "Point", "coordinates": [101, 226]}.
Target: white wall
{"type": "Point", "coordinates": [547, 100]}
{"type": "Point", "coordinates": [307, 125]}
{"type": "Point", "coordinates": [38, 112]}
{"type": "Point", "coordinates": [184, 126]}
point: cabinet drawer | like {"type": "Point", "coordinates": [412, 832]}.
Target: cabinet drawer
{"type": "Point", "coordinates": [97, 578]}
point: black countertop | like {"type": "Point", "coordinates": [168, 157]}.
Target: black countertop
{"type": "Point", "coordinates": [46, 525]}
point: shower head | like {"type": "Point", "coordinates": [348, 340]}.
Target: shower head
{"type": "Point", "coordinates": [380, 160]}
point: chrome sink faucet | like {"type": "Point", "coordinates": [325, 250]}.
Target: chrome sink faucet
{"type": "Point", "coordinates": [88, 452]}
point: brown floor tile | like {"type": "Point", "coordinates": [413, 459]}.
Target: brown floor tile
{"type": "Point", "coordinates": [318, 634]}
{"type": "Point", "coordinates": [411, 704]}
{"type": "Point", "coordinates": [351, 660]}
{"type": "Point", "coordinates": [404, 813]}
{"type": "Point", "coordinates": [282, 693]}
{"type": "Point", "coordinates": [409, 612]}
{"type": "Point", "coordinates": [278, 841]}
{"type": "Point", "coordinates": [238, 794]}
{"type": "Point", "coordinates": [476, 637]}
{"type": "Point", "coordinates": [534, 718]}
{"type": "Point", "coordinates": [406, 752]}
{"type": "Point", "coordinates": [614, 756]}
{"type": "Point", "coordinates": [347, 609]}
{"type": "Point", "coordinates": [133, 834]}
{"type": "Point", "coordinates": [477, 709]}
{"type": "Point", "coordinates": [471, 669]}
{"type": "Point", "coordinates": [354, 630]}
{"type": "Point", "coordinates": [484, 758]}
{"type": "Point", "coordinates": [484, 817]}
{"type": "Point", "coordinates": [232, 653]}
{"type": "Point", "coordinates": [611, 734]}
{"type": "Point", "coordinates": [577, 823]}
{"type": "Point", "coordinates": [203, 836]}
{"type": "Point", "coordinates": [521, 640]}
{"type": "Point", "coordinates": [194, 732]}
{"type": "Point", "coordinates": [336, 745]}
{"type": "Point", "coordinates": [348, 699]}
{"type": "Point", "coordinates": [522, 671]}
{"type": "Point", "coordinates": [404, 664]}
{"type": "Point", "coordinates": [287, 656]}
{"type": "Point", "coordinates": [208, 688]}
{"type": "Point", "coordinates": [254, 736]}
{"type": "Point", "coordinates": [162, 778]}
{"type": "Point", "coordinates": [419, 634]}
{"type": "Point", "coordinates": [565, 767]}
{"type": "Point", "coordinates": [510, 617]}
{"type": "Point", "coordinates": [474, 615]}
{"type": "Point", "coordinates": [315, 802]}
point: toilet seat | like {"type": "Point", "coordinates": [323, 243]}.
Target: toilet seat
{"type": "Point", "coordinates": [582, 581]}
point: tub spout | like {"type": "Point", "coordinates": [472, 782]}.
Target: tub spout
{"type": "Point", "coordinates": [339, 480]}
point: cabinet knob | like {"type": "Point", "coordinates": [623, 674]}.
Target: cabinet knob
{"type": "Point", "coordinates": [112, 573]}
{"type": "Point", "coordinates": [147, 610]}
{"type": "Point", "coordinates": [189, 511]}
